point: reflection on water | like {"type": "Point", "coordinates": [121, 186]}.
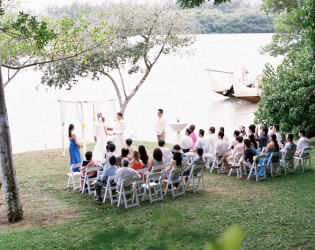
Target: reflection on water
{"type": "Point", "coordinates": [179, 85]}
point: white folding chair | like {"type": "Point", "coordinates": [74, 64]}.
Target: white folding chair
{"type": "Point", "coordinates": [87, 180]}
{"type": "Point", "coordinates": [122, 193]}
{"type": "Point", "coordinates": [215, 165]}
{"type": "Point", "coordinates": [110, 191]}
{"type": "Point", "coordinates": [233, 163]}
{"type": "Point", "coordinates": [263, 150]}
{"type": "Point", "coordinates": [304, 156]}
{"type": "Point", "coordinates": [138, 183]}
{"type": "Point", "coordinates": [287, 160]}
{"type": "Point", "coordinates": [191, 156]}
{"type": "Point", "coordinates": [72, 175]}
{"type": "Point", "coordinates": [175, 179]}
{"type": "Point", "coordinates": [258, 168]}
{"type": "Point", "coordinates": [158, 168]}
{"type": "Point", "coordinates": [274, 166]}
{"type": "Point", "coordinates": [153, 186]}
{"type": "Point", "coordinates": [196, 176]}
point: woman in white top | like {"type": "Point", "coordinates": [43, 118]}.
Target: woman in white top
{"type": "Point", "coordinates": [176, 163]}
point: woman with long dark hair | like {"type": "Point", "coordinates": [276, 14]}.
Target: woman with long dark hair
{"type": "Point", "coordinates": [253, 141]}
{"type": "Point", "coordinates": [176, 163]}
{"type": "Point", "coordinates": [157, 159]}
{"type": "Point", "coordinates": [143, 155]}
{"type": "Point", "coordinates": [74, 148]}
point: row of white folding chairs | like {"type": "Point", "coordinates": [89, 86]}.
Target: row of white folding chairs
{"type": "Point", "coordinates": [152, 187]}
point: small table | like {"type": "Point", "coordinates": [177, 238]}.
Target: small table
{"type": "Point", "coordinates": [177, 127]}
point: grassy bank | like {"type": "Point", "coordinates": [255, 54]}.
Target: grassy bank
{"type": "Point", "coordinates": [274, 214]}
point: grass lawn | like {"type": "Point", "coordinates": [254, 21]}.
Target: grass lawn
{"type": "Point", "coordinates": [275, 213]}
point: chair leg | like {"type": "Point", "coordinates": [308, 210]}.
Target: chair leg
{"type": "Point", "coordinates": [68, 185]}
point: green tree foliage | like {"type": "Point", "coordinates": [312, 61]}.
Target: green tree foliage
{"type": "Point", "coordinates": [288, 91]}
{"type": "Point", "coordinates": [196, 3]}
{"type": "Point", "coordinates": [141, 34]}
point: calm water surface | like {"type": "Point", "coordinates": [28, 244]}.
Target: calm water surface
{"type": "Point", "coordinates": [179, 85]}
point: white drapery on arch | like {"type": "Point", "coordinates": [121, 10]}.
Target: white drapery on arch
{"type": "Point", "coordinates": [78, 112]}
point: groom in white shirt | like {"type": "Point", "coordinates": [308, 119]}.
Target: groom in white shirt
{"type": "Point", "coordinates": [160, 126]}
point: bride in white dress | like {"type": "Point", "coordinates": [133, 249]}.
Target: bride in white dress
{"type": "Point", "coordinates": [100, 146]}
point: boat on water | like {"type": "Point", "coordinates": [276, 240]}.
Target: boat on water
{"type": "Point", "coordinates": [236, 87]}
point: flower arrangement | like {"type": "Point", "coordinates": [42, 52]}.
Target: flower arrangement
{"type": "Point", "coordinates": [255, 158]}
{"type": "Point", "coordinates": [81, 144]}
{"type": "Point", "coordinates": [235, 156]}
{"type": "Point", "coordinates": [177, 119]}
{"type": "Point", "coordinates": [216, 152]}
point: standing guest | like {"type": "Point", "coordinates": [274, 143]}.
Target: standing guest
{"type": "Point", "coordinates": [187, 142]}
{"type": "Point", "coordinates": [130, 147]}
{"type": "Point", "coordinates": [143, 155]}
{"type": "Point", "coordinates": [290, 147]}
{"type": "Point", "coordinates": [119, 132]}
{"type": "Point", "coordinates": [192, 134]}
{"type": "Point", "coordinates": [213, 139]}
{"type": "Point", "coordinates": [177, 148]}
{"type": "Point", "coordinates": [234, 142]}
{"type": "Point", "coordinates": [124, 173]}
{"type": "Point", "coordinates": [275, 130]}
{"type": "Point", "coordinates": [176, 163]}
{"type": "Point", "coordinates": [110, 171]}
{"type": "Point", "coordinates": [167, 153]}
{"type": "Point", "coordinates": [228, 157]}
{"type": "Point", "coordinates": [198, 161]}
{"type": "Point", "coordinates": [136, 163]}
{"type": "Point", "coordinates": [202, 142]}
{"type": "Point", "coordinates": [225, 136]}
{"type": "Point", "coordinates": [160, 126]}
{"type": "Point", "coordinates": [96, 127]}
{"type": "Point", "coordinates": [88, 163]}
{"type": "Point", "coordinates": [74, 148]}
{"type": "Point", "coordinates": [111, 152]}
{"type": "Point", "coordinates": [248, 158]}
{"type": "Point", "coordinates": [263, 138]}
{"type": "Point", "coordinates": [302, 142]}
{"type": "Point", "coordinates": [157, 159]}
{"type": "Point", "coordinates": [242, 131]}
{"type": "Point", "coordinates": [124, 154]}
{"type": "Point", "coordinates": [252, 139]}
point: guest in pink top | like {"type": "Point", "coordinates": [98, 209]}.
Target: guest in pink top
{"type": "Point", "coordinates": [192, 134]}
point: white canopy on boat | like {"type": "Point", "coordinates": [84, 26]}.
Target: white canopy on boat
{"type": "Point", "coordinates": [218, 86]}
{"type": "Point", "coordinates": [240, 90]}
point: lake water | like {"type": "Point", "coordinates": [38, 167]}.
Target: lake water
{"type": "Point", "coordinates": [179, 85]}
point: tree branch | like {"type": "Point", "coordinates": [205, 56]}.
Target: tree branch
{"type": "Point", "coordinates": [122, 81]}
{"type": "Point", "coordinates": [115, 86]}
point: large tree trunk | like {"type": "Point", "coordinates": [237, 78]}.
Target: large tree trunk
{"type": "Point", "coordinates": [14, 207]}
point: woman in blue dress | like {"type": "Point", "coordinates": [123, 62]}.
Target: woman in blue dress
{"type": "Point", "coordinates": [272, 147]}
{"type": "Point", "coordinates": [74, 149]}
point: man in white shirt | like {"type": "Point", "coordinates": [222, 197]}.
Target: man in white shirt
{"type": "Point", "coordinates": [119, 132]}
{"type": "Point", "coordinates": [212, 140]}
{"type": "Point", "coordinates": [222, 146]}
{"type": "Point", "coordinates": [167, 153]}
{"type": "Point", "coordinates": [302, 142]}
{"type": "Point", "coordinates": [187, 143]}
{"type": "Point", "coordinates": [160, 126]}
{"type": "Point", "coordinates": [202, 142]}
{"type": "Point", "coordinates": [275, 130]}
{"type": "Point", "coordinates": [97, 126]}
{"type": "Point", "coordinates": [123, 173]}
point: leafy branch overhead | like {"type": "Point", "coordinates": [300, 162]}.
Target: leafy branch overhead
{"type": "Point", "coordinates": [197, 3]}
{"type": "Point", "coordinates": [141, 34]}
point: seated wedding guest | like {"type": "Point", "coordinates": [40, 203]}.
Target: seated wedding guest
{"type": "Point", "coordinates": [275, 130]}
{"type": "Point", "coordinates": [290, 147]}
{"type": "Point", "coordinates": [242, 131]}
{"type": "Point", "coordinates": [253, 142]}
{"type": "Point", "coordinates": [213, 139]}
{"type": "Point", "coordinates": [110, 171]}
{"type": "Point", "coordinates": [177, 148]}
{"type": "Point", "coordinates": [198, 161]}
{"type": "Point", "coordinates": [251, 129]}
{"type": "Point", "coordinates": [229, 156]}
{"type": "Point", "coordinates": [187, 142]}
{"type": "Point", "coordinates": [225, 136]}
{"type": "Point", "coordinates": [167, 153]}
{"type": "Point", "coordinates": [233, 142]}
{"type": "Point", "coordinates": [176, 163]}
{"type": "Point", "coordinates": [111, 152]}
{"type": "Point", "coordinates": [88, 163]}
{"type": "Point", "coordinates": [124, 173]}
{"type": "Point", "coordinates": [192, 134]}
{"type": "Point", "coordinates": [136, 163]}
{"type": "Point", "coordinates": [143, 155]}
{"type": "Point", "coordinates": [124, 154]}
{"type": "Point", "coordinates": [248, 158]}
{"type": "Point", "coordinates": [202, 142]}
{"type": "Point", "coordinates": [262, 138]}
{"type": "Point", "coordinates": [157, 159]}
{"type": "Point", "coordinates": [130, 147]}
{"type": "Point", "coordinates": [302, 142]}
{"type": "Point", "coordinates": [222, 146]}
